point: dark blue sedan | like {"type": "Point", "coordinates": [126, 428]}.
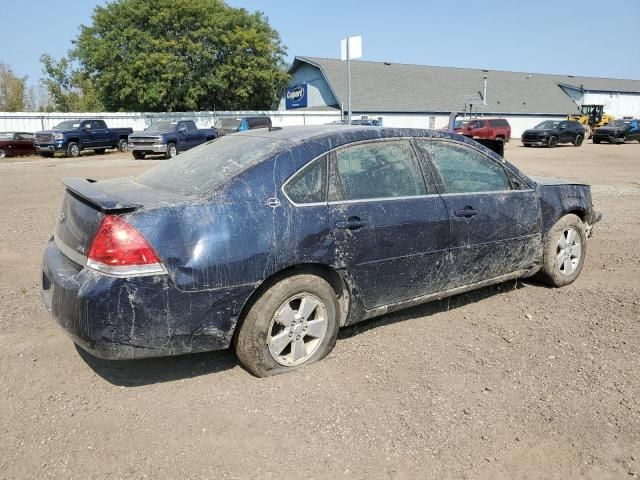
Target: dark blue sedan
{"type": "Point", "coordinates": [270, 241]}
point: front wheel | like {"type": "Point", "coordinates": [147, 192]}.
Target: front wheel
{"type": "Point", "coordinates": [172, 151]}
{"type": "Point", "coordinates": [73, 150]}
{"type": "Point", "coordinates": [564, 251]}
{"type": "Point", "coordinates": [3, 153]}
{"type": "Point", "coordinates": [123, 145]}
{"type": "Point", "coordinates": [293, 323]}
{"type": "Point", "coordinates": [553, 142]}
{"type": "Point", "coordinates": [578, 140]}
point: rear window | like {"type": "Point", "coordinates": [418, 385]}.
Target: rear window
{"type": "Point", "coordinates": [201, 170]}
{"type": "Point", "coordinates": [500, 122]}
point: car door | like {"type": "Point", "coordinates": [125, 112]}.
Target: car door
{"type": "Point", "coordinates": [565, 134]}
{"type": "Point", "coordinates": [390, 227]}
{"type": "Point", "coordinates": [24, 143]}
{"type": "Point", "coordinates": [100, 134]}
{"type": "Point", "coordinates": [182, 136]}
{"type": "Point", "coordinates": [196, 137]}
{"type": "Point", "coordinates": [494, 214]}
{"type": "Point", "coordinates": [87, 139]}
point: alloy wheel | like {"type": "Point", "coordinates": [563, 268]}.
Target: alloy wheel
{"type": "Point", "coordinates": [297, 329]}
{"type": "Point", "coordinates": [569, 251]}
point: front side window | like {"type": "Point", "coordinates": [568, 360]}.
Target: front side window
{"type": "Point", "coordinates": [384, 169]}
{"type": "Point", "coordinates": [464, 169]}
{"type": "Point", "coordinates": [310, 184]}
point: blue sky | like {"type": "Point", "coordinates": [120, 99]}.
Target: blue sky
{"type": "Point", "coordinates": [587, 37]}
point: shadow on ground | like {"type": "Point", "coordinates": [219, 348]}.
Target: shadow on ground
{"type": "Point", "coordinates": [135, 373]}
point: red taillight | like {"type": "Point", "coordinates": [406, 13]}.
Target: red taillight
{"type": "Point", "coordinates": [119, 249]}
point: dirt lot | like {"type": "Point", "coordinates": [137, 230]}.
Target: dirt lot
{"type": "Point", "coordinates": [515, 381]}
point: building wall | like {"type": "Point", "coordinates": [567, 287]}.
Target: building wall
{"type": "Point", "coordinates": [318, 91]}
{"type": "Point", "coordinates": [617, 104]}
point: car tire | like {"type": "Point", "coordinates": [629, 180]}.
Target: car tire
{"type": "Point", "coordinates": [553, 141]}
{"type": "Point", "coordinates": [3, 153]}
{"type": "Point", "coordinates": [73, 150]}
{"type": "Point", "coordinates": [123, 145]}
{"type": "Point", "coordinates": [138, 155]}
{"type": "Point", "coordinates": [578, 140]}
{"type": "Point", "coordinates": [99, 151]}
{"type": "Point", "coordinates": [565, 250]}
{"type": "Point", "coordinates": [269, 340]}
{"type": "Point", "coordinates": [172, 151]}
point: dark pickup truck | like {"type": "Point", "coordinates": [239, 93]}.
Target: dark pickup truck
{"type": "Point", "coordinates": [169, 138]}
{"type": "Point", "coordinates": [72, 136]}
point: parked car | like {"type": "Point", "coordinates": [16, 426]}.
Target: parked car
{"type": "Point", "coordinates": [226, 125]}
{"type": "Point", "coordinates": [73, 136]}
{"type": "Point", "coordinates": [168, 138]}
{"type": "Point", "coordinates": [618, 131]}
{"type": "Point", "coordinates": [272, 241]}
{"type": "Point", "coordinates": [552, 132]}
{"type": "Point", "coordinates": [489, 128]}
{"type": "Point", "coordinates": [16, 143]}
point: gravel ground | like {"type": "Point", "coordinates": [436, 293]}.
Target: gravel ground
{"type": "Point", "coordinates": [512, 381]}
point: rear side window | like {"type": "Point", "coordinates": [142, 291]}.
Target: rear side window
{"type": "Point", "coordinates": [310, 184]}
{"type": "Point", "coordinates": [499, 122]}
{"type": "Point", "coordinates": [385, 169]}
{"type": "Point", "coordinates": [99, 124]}
{"type": "Point", "coordinates": [463, 169]}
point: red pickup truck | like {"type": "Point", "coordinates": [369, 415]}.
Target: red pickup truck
{"type": "Point", "coordinates": [490, 128]}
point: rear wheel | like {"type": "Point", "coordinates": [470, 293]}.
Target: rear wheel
{"type": "Point", "coordinates": [293, 323]}
{"type": "Point", "coordinates": [172, 151]}
{"type": "Point", "coordinates": [73, 150]}
{"type": "Point", "coordinates": [578, 140]}
{"type": "Point", "coordinates": [138, 155]}
{"type": "Point", "coordinates": [123, 145]}
{"type": "Point", "coordinates": [3, 153]}
{"type": "Point", "coordinates": [564, 251]}
{"type": "Point", "coordinates": [553, 142]}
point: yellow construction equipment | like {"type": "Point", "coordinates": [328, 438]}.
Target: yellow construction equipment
{"type": "Point", "coordinates": [591, 116]}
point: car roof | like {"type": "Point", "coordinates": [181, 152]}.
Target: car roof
{"type": "Point", "coordinates": [297, 134]}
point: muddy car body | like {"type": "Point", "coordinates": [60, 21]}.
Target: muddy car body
{"type": "Point", "coordinates": [257, 237]}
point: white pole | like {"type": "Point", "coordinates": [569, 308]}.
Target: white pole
{"type": "Point", "coordinates": [349, 79]}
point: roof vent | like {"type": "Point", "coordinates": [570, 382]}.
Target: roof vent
{"type": "Point", "coordinates": [387, 63]}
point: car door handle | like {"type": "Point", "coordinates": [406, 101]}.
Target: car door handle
{"type": "Point", "coordinates": [466, 212]}
{"type": "Point", "coordinates": [352, 223]}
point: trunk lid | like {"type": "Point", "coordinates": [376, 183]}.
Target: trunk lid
{"type": "Point", "coordinates": [85, 204]}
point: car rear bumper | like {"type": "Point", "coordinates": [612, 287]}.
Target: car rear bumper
{"type": "Point", "coordinates": [125, 318]}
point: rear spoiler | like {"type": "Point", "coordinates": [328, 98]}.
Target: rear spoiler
{"type": "Point", "coordinates": [87, 191]}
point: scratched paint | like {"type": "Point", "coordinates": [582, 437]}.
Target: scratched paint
{"type": "Point", "coordinates": [224, 228]}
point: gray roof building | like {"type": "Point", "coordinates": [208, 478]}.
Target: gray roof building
{"type": "Point", "coordinates": [383, 87]}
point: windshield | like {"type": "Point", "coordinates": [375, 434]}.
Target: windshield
{"type": "Point", "coordinates": [547, 124]}
{"type": "Point", "coordinates": [228, 123]}
{"type": "Point", "coordinates": [201, 170]}
{"type": "Point", "coordinates": [162, 126]}
{"type": "Point", "coordinates": [619, 123]}
{"type": "Point", "coordinates": [68, 125]}
{"type": "Point", "coordinates": [461, 124]}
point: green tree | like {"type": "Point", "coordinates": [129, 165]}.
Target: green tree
{"type": "Point", "coordinates": [70, 89]}
{"type": "Point", "coordinates": [13, 90]}
{"type": "Point", "coordinates": [181, 55]}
